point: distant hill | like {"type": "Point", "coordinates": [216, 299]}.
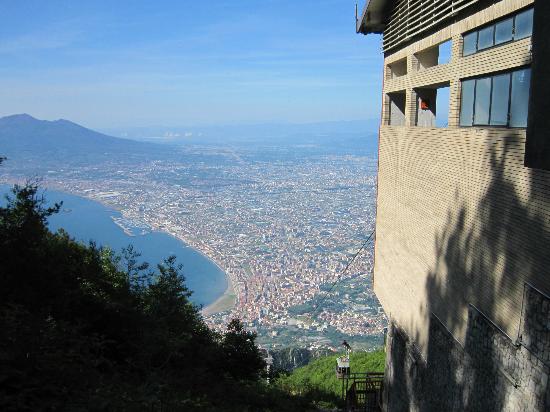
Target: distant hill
{"type": "Point", "coordinates": [355, 137]}
{"type": "Point", "coordinates": [22, 134]}
{"type": "Point", "coordinates": [243, 133]}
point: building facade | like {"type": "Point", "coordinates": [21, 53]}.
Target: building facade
{"type": "Point", "coordinates": [462, 255]}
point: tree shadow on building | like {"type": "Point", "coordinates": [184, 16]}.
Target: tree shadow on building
{"type": "Point", "coordinates": [485, 256]}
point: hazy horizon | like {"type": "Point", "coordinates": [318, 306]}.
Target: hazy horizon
{"type": "Point", "coordinates": [137, 64]}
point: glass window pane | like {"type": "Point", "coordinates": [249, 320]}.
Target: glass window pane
{"type": "Point", "coordinates": [444, 53]}
{"type": "Point", "coordinates": [485, 38]}
{"type": "Point", "coordinates": [470, 43]}
{"type": "Point", "coordinates": [503, 31]}
{"type": "Point", "coordinates": [499, 100]}
{"type": "Point", "coordinates": [524, 24]}
{"type": "Point", "coordinates": [442, 107]}
{"type": "Point", "coordinates": [482, 101]}
{"type": "Point", "coordinates": [467, 103]}
{"type": "Point", "coordinates": [520, 98]}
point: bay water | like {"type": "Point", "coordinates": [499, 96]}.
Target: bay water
{"type": "Point", "coordinates": [86, 220]}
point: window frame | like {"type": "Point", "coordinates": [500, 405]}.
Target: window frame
{"type": "Point", "coordinates": [493, 24]}
{"type": "Point", "coordinates": [491, 76]}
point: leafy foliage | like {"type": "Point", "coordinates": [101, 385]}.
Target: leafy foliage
{"type": "Point", "coordinates": [82, 328]}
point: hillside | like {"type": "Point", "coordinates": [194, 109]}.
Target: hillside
{"type": "Point", "coordinates": [84, 329]}
{"type": "Point", "coordinates": [318, 381]}
{"type": "Point", "coordinates": [290, 358]}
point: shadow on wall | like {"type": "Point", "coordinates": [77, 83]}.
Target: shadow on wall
{"type": "Point", "coordinates": [484, 257]}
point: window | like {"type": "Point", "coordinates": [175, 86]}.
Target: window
{"type": "Point", "coordinates": [482, 102]}
{"type": "Point", "coordinates": [498, 100]}
{"type": "Point", "coordinates": [512, 28]}
{"type": "Point", "coordinates": [442, 107]}
{"type": "Point", "coordinates": [470, 43]}
{"type": "Point", "coordinates": [524, 25]}
{"type": "Point", "coordinates": [467, 102]}
{"type": "Point", "coordinates": [444, 52]}
{"type": "Point", "coordinates": [520, 98]}
{"type": "Point", "coordinates": [504, 31]}
{"type": "Point", "coordinates": [485, 38]}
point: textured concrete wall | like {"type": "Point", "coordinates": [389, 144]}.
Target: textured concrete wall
{"type": "Point", "coordinates": [488, 373]}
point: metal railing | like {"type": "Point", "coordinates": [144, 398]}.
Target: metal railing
{"type": "Point", "coordinates": [364, 391]}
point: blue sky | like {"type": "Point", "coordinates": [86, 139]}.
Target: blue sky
{"type": "Point", "coordinates": [173, 63]}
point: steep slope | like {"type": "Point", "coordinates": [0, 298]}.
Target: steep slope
{"type": "Point", "coordinates": [318, 379]}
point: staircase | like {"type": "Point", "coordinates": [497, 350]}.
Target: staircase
{"type": "Point", "coordinates": [364, 392]}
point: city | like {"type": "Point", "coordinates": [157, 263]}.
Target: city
{"type": "Point", "coordinates": [283, 228]}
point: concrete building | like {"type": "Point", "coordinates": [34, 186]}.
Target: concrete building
{"type": "Point", "coordinates": [462, 256]}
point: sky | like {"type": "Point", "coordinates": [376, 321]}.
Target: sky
{"type": "Point", "coordinates": [108, 64]}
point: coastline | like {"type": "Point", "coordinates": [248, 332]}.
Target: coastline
{"type": "Point", "coordinates": [225, 301]}
{"type": "Point", "coordinates": [228, 298]}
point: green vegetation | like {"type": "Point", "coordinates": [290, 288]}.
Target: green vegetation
{"type": "Point", "coordinates": [301, 309]}
{"type": "Point", "coordinates": [317, 381]}
{"type": "Point", "coordinates": [84, 329]}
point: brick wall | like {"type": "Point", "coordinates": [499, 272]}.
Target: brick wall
{"type": "Point", "coordinates": [462, 225]}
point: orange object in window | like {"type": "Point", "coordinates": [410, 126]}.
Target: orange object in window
{"type": "Point", "coordinates": [424, 104]}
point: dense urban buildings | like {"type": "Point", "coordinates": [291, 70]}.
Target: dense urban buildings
{"type": "Point", "coordinates": [463, 209]}
{"type": "Point", "coordinates": [282, 222]}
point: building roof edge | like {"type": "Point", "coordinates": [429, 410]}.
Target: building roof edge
{"type": "Point", "coordinates": [373, 17]}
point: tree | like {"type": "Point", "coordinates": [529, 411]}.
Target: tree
{"type": "Point", "coordinates": [82, 328]}
{"type": "Point", "coordinates": [242, 357]}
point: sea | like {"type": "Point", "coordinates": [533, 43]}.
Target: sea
{"type": "Point", "coordinates": [87, 220]}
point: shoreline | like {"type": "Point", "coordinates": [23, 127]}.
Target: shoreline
{"type": "Point", "coordinates": [225, 301]}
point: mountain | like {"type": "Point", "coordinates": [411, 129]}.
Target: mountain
{"type": "Point", "coordinates": [22, 134]}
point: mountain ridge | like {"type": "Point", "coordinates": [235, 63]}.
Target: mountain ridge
{"type": "Point", "coordinates": [23, 133]}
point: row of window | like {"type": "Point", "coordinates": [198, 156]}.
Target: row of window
{"type": "Point", "coordinates": [495, 100]}
{"type": "Point", "coordinates": [498, 100]}
{"type": "Point", "coordinates": [515, 27]}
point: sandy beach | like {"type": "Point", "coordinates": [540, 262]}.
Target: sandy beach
{"type": "Point", "coordinates": [224, 302]}
{"type": "Point", "coordinates": [227, 300]}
